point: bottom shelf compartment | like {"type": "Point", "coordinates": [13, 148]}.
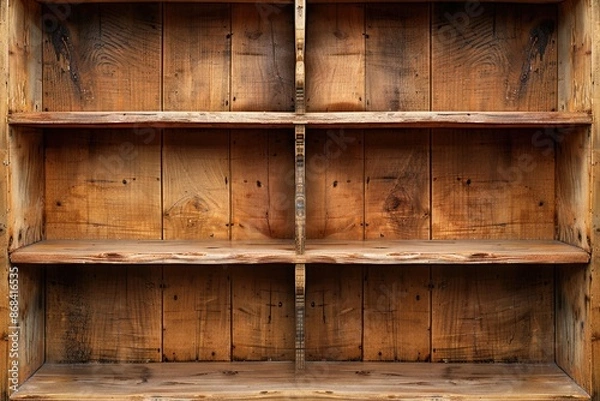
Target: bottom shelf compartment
{"type": "Point", "coordinates": [319, 381]}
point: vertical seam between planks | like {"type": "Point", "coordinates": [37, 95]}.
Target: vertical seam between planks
{"type": "Point", "coordinates": [430, 157]}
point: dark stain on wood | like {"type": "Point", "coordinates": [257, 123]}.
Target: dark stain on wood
{"type": "Point", "coordinates": [63, 46]}
{"type": "Point", "coordinates": [539, 38]}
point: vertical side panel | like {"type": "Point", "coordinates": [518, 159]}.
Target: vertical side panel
{"type": "Point", "coordinates": [104, 314]}
{"type": "Point", "coordinates": [262, 172]}
{"type": "Point", "coordinates": [262, 63]}
{"type": "Point", "coordinates": [196, 184]}
{"type": "Point", "coordinates": [397, 313]}
{"type": "Point", "coordinates": [103, 184]}
{"type": "Point", "coordinates": [334, 312]}
{"type": "Point", "coordinates": [335, 184]}
{"type": "Point", "coordinates": [397, 57]}
{"type": "Point", "coordinates": [492, 185]}
{"type": "Point", "coordinates": [197, 46]}
{"type": "Point", "coordinates": [335, 61]}
{"type": "Point", "coordinates": [196, 313]}
{"type": "Point", "coordinates": [504, 314]}
{"type": "Point", "coordinates": [4, 172]}
{"type": "Point", "coordinates": [103, 57]}
{"type": "Point", "coordinates": [494, 57]}
{"type": "Point", "coordinates": [263, 313]}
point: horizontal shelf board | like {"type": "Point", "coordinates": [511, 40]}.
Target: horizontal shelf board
{"type": "Point", "coordinates": [283, 251]}
{"type": "Point", "coordinates": [320, 381]}
{"type": "Point", "coordinates": [383, 119]}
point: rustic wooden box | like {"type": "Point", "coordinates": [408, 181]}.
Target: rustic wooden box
{"type": "Point", "coordinates": [247, 200]}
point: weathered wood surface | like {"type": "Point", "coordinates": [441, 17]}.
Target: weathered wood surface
{"type": "Point", "coordinates": [278, 381]}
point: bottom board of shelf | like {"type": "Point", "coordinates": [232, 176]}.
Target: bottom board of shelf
{"type": "Point", "coordinates": [319, 381]}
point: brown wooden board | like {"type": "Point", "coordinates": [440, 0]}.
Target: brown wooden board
{"type": "Point", "coordinates": [262, 188]}
{"type": "Point", "coordinates": [197, 57]}
{"type": "Point", "coordinates": [397, 57]}
{"type": "Point", "coordinates": [493, 57]}
{"type": "Point", "coordinates": [263, 313]}
{"type": "Point", "coordinates": [334, 312]}
{"type": "Point", "coordinates": [492, 184]}
{"type": "Point", "coordinates": [397, 314]}
{"type": "Point", "coordinates": [103, 314]}
{"type": "Point", "coordinates": [505, 314]}
{"type": "Point", "coordinates": [103, 184]}
{"type": "Point", "coordinates": [397, 172]}
{"type": "Point", "coordinates": [335, 58]}
{"type": "Point", "coordinates": [196, 313]}
{"type": "Point", "coordinates": [262, 57]}
{"type": "Point", "coordinates": [335, 184]}
{"type": "Point", "coordinates": [196, 184]}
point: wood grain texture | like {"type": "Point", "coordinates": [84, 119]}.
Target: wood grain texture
{"type": "Point", "coordinates": [278, 381]}
{"type": "Point", "coordinates": [262, 188]}
{"type": "Point", "coordinates": [490, 57]}
{"type": "Point", "coordinates": [103, 314]}
{"type": "Point", "coordinates": [334, 313]}
{"type": "Point", "coordinates": [196, 314]}
{"type": "Point", "coordinates": [263, 313]}
{"type": "Point", "coordinates": [262, 57]}
{"type": "Point", "coordinates": [335, 184]}
{"type": "Point", "coordinates": [104, 57]}
{"type": "Point", "coordinates": [103, 184]}
{"type": "Point", "coordinates": [397, 57]}
{"type": "Point", "coordinates": [397, 198]}
{"type": "Point", "coordinates": [396, 313]}
{"type": "Point", "coordinates": [300, 312]}
{"type": "Point", "coordinates": [196, 189]}
{"type": "Point", "coordinates": [492, 315]}
{"type": "Point", "coordinates": [492, 185]}
{"type": "Point", "coordinates": [300, 189]}
{"type": "Point", "coordinates": [5, 289]}
{"type": "Point", "coordinates": [335, 59]}
{"type": "Point", "coordinates": [197, 57]}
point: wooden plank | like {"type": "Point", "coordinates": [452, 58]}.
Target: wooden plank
{"type": "Point", "coordinates": [263, 313]}
{"type": "Point", "coordinates": [103, 314]}
{"type": "Point", "coordinates": [492, 185]}
{"type": "Point", "coordinates": [397, 314]}
{"type": "Point", "coordinates": [195, 168]}
{"type": "Point", "coordinates": [397, 198]}
{"type": "Point", "coordinates": [197, 57]}
{"type": "Point", "coordinates": [490, 57]}
{"type": "Point", "coordinates": [493, 315]}
{"type": "Point", "coordinates": [300, 190]}
{"type": "Point", "coordinates": [300, 41]}
{"type": "Point", "coordinates": [262, 188]}
{"type": "Point", "coordinates": [103, 184]}
{"type": "Point", "coordinates": [196, 314]}
{"type": "Point", "coordinates": [262, 57]}
{"type": "Point", "coordinates": [278, 381]}
{"type": "Point", "coordinates": [334, 313]}
{"type": "Point", "coordinates": [397, 57]}
{"type": "Point", "coordinates": [6, 380]}
{"type": "Point", "coordinates": [335, 182]}
{"type": "Point", "coordinates": [336, 61]}
{"type": "Point", "coordinates": [103, 57]}
{"type": "Point", "coordinates": [409, 119]}
{"type": "Point", "coordinates": [300, 312]}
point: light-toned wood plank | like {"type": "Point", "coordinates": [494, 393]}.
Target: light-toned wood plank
{"type": "Point", "coordinates": [335, 184]}
{"type": "Point", "coordinates": [494, 57]}
{"type": "Point", "coordinates": [196, 314]}
{"type": "Point", "coordinates": [300, 41]}
{"type": "Point", "coordinates": [335, 61]}
{"type": "Point", "coordinates": [411, 119]}
{"type": "Point", "coordinates": [300, 189]}
{"type": "Point", "coordinates": [195, 169]}
{"type": "Point", "coordinates": [300, 280]}
{"type": "Point", "coordinates": [104, 57]}
{"type": "Point", "coordinates": [396, 185]}
{"type": "Point", "coordinates": [492, 185]}
{"type": "Point", "coordinates": [397, 314]}
{"type": "Point", "coordinates": [262, 188]}
{"type": "Point", "coordinates": [263, 313]}
{"type": "Point", "coordinates": [397, 57]}
{"type": "Point", "coordinates": [103, 184]}
{"type": "Point", "coordinates": [6, 381]}
{"type": "Point", "coordinates": [500, 315]}
{"type": "Point", "coordinates": [262, 57]}
{"type": "Point", "coordinates": [334, 313]}
{"type": "Point", "coordinates": [278, 381]}
{"type": "Point", "coordinates": [103, 314]}
{"type": "Point", "coordinates": [197, 57]}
